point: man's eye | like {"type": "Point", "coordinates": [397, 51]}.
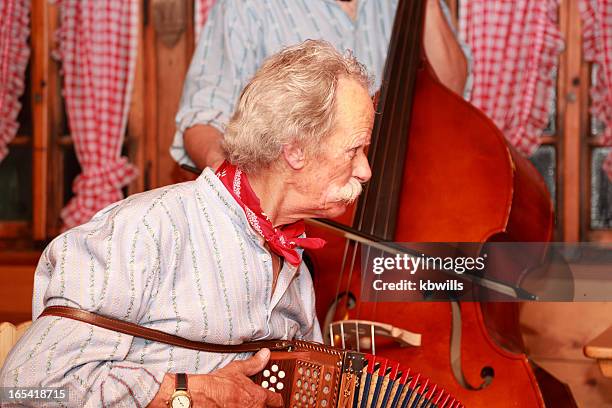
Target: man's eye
{"type": "Point", "coordinates": [353, 151]}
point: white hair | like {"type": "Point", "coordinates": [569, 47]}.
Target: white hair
{"type": "Point", "coordinates": [291, 99]}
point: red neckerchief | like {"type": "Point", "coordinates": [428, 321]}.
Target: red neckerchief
{"type": "Point", "coordinates": [282, 241]}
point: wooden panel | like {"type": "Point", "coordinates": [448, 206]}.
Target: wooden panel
{"type": "Point", "coordinates": [600, 349]}
{"type": "Point", "coordinates": [150, 104]}
{"type": "Point", "coordinates": [584, 155]}
{"type": "Point", "coordinates": [55, 168]}
{"type": "Point", "coordinates": [601, 346]}
{"type": "Point", "coordinates": [555, 334]}
{"type": "Point", "coordinates": [9, 334]}
{"type": "Point", "coordinates": [561, 330]}
{"type": "Point", "coordinates": [603, 236]}
{"type": "Point", "coordinates": [569, 164]}
{"type": "Point", "coordinates": [605, 366]}
{"type": "Point", "coordinates": [16, 284]}
{"type": "Point", "coordinates": [40, 116]}
{"type": "Point", "coordinates": [20, 140]}
{"type": "Point", "coordinates": [167, 66]}
{"type": "Point", "coordinates": [172, 63]}
{"type": "Point", "coordinates": [136, 121]}
{"type": "Point", "coordinates": [14, 229]}
{"type": "Point", "coordinates": [589, 387]}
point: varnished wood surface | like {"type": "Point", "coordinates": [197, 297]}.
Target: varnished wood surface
{"type": "Point", "coordinates": [570, 68]}
{"type": "Point", "coordinates": [555, 334]}
{"type": "Point", "coordinates": [601, 346]}
{"type": "Point", "coordinates": [16, 284]}
{"type": "Point", "coordinates": [9, 334]}
{"type": "Point", "coordinates": [135, 138]}
{"type": "Point", "coordinates": [15, 229]}
{"type": "Point", "coordinates": [40, 61]}
{"type": "Point", "coordinates": [600, 349]}
{"type": "Point", "coordinates": [165, 69]}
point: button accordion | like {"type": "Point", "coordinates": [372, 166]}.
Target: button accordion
{"type": "Point", "coordinates": [316, 375]}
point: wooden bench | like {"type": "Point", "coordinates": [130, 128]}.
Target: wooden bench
{"type": "Point", "coordinates": [9, 334]}
{"type": "Point", "coordinates": [600, 349]}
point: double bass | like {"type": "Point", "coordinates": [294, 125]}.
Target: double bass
{"type": "Point", "coordinates": [441, 172]}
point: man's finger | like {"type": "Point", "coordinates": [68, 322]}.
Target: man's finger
{"type": "Point", "coordinates": [273, 399]}
{"type": "Point", "coordinates": [255, 364]}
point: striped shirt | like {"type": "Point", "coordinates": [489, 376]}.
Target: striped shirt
{"type": "Point", "coordinates": [181, 259]}
{"type": "Point", "coordinates": [240, 34]}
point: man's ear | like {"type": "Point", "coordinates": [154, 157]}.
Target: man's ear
{"type": "Point", "coordinates": [294, 156]}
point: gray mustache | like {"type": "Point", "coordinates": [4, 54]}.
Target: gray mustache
{"type": "Point", "coordinates": [350, 191]}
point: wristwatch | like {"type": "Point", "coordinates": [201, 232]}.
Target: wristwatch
{"type": "Point", "coordinates": [180, 398]}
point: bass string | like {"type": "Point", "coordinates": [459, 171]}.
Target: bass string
{"type": "Point", "coordinates": [392, 122]}
{"type": "Point", "coordinates": [384, 134]}
{"type": "Point", "coordinates": [340, 275]}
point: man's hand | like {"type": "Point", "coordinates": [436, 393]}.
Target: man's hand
{"type": "Point", "coordinates": [203, 145]}
{"type": "Point", "coordinates": [228, 387]}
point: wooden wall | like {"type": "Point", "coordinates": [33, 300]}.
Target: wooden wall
{"type": "Point", "coordinates": [162, 66]}
{"type": "Point", "coordinates": [16, 282]}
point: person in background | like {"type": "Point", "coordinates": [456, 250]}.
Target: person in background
{"type": "Point", "coordinates": [240, 34]}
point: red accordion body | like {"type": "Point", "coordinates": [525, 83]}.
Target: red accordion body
{"type": "Point", "coordinates": [315, 375]}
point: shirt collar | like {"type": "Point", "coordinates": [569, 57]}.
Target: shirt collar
{"type": "Point", "coordinates": [211, 183]}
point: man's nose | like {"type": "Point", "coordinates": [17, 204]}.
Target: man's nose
{"type": "Point", "coordinates": [361, 170]}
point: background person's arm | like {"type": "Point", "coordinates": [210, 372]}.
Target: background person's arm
{"type": "Point", "coordinates": [203, 144]}
{"type": "Point", "coordinates": [443, 49]}
{"type": "Point", "coordinates": [225, 58]}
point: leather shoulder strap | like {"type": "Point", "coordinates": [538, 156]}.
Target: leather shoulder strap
{"type": "Point", "coordinates": [160, 336]}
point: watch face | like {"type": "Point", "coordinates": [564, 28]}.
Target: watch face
{"type": "Point", "coordinates": [181, 401]}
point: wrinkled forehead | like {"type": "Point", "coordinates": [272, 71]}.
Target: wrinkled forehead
{"type": "Point", "coordinates": [354, 108]}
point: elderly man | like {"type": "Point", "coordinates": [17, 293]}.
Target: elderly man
{"type": "Point", "coordinates": [212, 260]}
{"type": "Point", "coordinates": [240, 34]}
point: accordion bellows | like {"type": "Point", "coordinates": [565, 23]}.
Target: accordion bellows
{"type": "Point", "coordinates": [315, 375]}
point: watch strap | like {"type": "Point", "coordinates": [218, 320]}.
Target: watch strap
{"type": "Point", "coordinates": [181, 382]}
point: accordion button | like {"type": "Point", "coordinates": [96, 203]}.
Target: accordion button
{"type": "Point", "coordinates": [305, 385]}
{"type": "Point", "coordinates": [313, 386]}
{"type": "Point", "coordinates": [281, 374]}
{"type": "Point", "coordinates": [327, 377]}
{"type": "Point", "coordinates": [264, 384]}
{"type": "Point", "coordinates": [300, 370]}
{"type": "Point", "coordinates": [308, 372]}
{"type": "Point", "coordinates": [311, 401]}
{"type": "Point", "coordinates": [273, 379]}
{"type": "Point", "coordinates": [324, 403]}
{"type": "Point", "coordinates": [274, 368]}
{"type": "Point", "coordinates": [296, 396]}
{"type": "Point", "coordinates": [266, 373]}
{"type": "Point", "coordinates": [315, 373]}
{"type": "Point", "coordinates": [272, 389]}
{"type": "Point", "coordinates": [280, 386]}
{"type": "Point", "coordinates": [303, 398]}
{"type": "Point", "coordinates": [299, 383]}
{"type": "Point", "coordinates": [326, 390]}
